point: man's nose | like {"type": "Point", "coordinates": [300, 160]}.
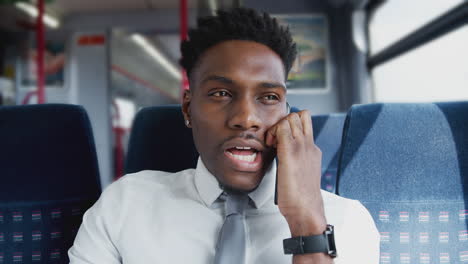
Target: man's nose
{"type": "Point", "coordinates": [244, 116]}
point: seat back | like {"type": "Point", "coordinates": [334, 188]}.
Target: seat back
{"type": "Point", "coordinates": [48, 178]}
{"type": "Point", "coordinates": [328, 130]}
{"type": "Point", "coordinates": [160, 141]}
{"type": "Point", "coordinates": [408, 164]}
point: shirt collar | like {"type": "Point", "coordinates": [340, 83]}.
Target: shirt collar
{"type": "Point", "coordinates": [206, 184]}
{"type": "Point", "coordinates": [209, 189]}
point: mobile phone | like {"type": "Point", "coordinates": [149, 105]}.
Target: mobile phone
{"type": "Point", "coordinates": [288, 110]}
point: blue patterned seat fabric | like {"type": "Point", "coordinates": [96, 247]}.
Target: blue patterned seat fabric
{"type": "Point", "coordinates": [48, 178]}
{"type": "Point", "coordinates": [408, 164]}
{"type": "Point", "coordinates": [159, 133]}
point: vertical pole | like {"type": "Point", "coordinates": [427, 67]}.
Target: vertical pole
{"type": "Point", "coordinates": [40, 39]}
{"type": "Point", "coordinates": [183, 14]}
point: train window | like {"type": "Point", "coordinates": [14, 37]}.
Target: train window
{"type": "Point", "coordinates": [398, 18]}
{"type": "Point", "coordinates": [144, 66]}
{"type": "Point", "coordinates": [7, 91]}
{"type": "Point", "coordinates": [126, 111]}
{"type": "Point", "coordinates": [436, 71]}
{"type": "Point", "coordinates": [54, 62]}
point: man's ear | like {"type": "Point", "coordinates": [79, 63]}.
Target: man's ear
{"type": "Point", "coordinates": [186, 108]}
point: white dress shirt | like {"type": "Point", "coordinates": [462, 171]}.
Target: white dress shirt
{"type": "Point", "coordinates": [160, 217]}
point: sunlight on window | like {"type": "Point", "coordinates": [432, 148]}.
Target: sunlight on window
{"type": "Point", "coordinates": [397, 18]}
{"type": "Point", "coordinates": [437, 71]}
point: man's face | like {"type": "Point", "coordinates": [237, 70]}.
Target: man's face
{"type": "Point", "coordinates": [237, 93]}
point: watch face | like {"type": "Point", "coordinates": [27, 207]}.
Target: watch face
{"type": "Point", "coordinates": [330, 234]}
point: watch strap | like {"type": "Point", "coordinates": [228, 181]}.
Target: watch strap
{"type": "Point", "coordinates": [324, 243]}
{"type": "Point", "coordinates": [303, 245]}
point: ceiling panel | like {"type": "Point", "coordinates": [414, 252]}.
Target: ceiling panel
{"type": "Point", "coordinates": [65, 7]}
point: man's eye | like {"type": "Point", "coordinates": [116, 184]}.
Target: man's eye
{"type": "Point", "coordinates": [270, 97]}
{"type": "Point", "coordinates": [220, 94]}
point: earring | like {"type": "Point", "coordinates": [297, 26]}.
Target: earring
{"type": "Point", "coordinates": [187, 123]}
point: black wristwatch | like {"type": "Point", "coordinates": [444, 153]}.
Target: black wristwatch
{"type": "Point", "coordinates": [324, 243]}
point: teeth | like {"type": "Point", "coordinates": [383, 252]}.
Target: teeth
{"type": "Point", "coordinates": [243, 147]}
{"type": "Point", "coordinates": [248, 158]}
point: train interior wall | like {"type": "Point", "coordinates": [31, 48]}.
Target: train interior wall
{"type": "Point", "coordinates": [96, 74]}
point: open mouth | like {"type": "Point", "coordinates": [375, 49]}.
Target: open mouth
{"type": "Point", "coordinates": [246, 154]}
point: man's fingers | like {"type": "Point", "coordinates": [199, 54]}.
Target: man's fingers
{"type": "Point", "coordinates": [271, 136]}
{"type": "Point", "coordinates": [283, 131]}
{"type": "Point", "coordinates": [307, 126]}
{"type": "Point", "coordinates": [295, 125]}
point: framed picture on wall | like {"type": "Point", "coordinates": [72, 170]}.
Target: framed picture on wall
{"type": "Point", "coordinates": [310, 71]}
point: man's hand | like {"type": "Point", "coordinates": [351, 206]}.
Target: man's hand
{"type": "Point", "coordinates": [299, 171]}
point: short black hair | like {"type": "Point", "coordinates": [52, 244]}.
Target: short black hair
{"type": "Point", "coordinates": [237, 24]}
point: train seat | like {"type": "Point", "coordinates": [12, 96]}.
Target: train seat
{"type": "Point", "coordinates": [48, 178]}
{"type": "Point", "coordinates": [159, 133]}
{"type": "Point", "coordinates": [328, 131]}
{"type": "Point", "coordinates": [408, 164]}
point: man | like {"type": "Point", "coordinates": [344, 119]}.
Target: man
{"type": "Point", "coordinates": [237, 63]}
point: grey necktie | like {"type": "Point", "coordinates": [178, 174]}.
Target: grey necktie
{"type": "Point", "coordinates": [231, 243]}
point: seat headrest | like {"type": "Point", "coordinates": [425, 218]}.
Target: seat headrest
{"type": "Point", "coordinates": [160, 141]}
{"type": "Point", "coordinates": [47, 152]}
{"type": "Point", "coordinates": [403, 152]}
